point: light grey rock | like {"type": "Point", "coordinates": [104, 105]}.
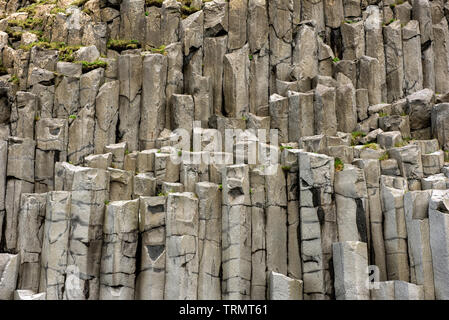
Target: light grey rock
{"type": "Point", "coordinates": [106, 115]}
{"type": "Point", "coordinates": [23, 114]}
{"type": "Point", "coordinates": [284, 288]}
{"type": "Point", "coordinates": [300, 115]}
{"type": "Point", "coordinates": [130, 72]}
{"type": "Point", "coordinates": [152, 119]}
{"type": "Point", "coordinates": [237, 17]}
{"type": "Point", "coordinates": [118, 151]}
{"type": "Point", "coordinates": [118, 257]}
{"type": "Point", "coordinates": [235, 82]}
{"type": "Point", "coordinates": [416, 206]}
{"type": "Point", "coordinates": [52, 134]}
{"type": "Point", "coordinates": [369, 78]}
{"type": "Point", "coordinates": [236, 235]}
{"type": "Point", "coordinates": [90, 193]}
{"type": "Point", "coordinates": [182, 256]}
{"type": "Point", "coordinates": [9, 266]}
{"type": "Point", "coordinates": [55, 244]}
{"type": "Point", "coordinates": [150, 281]}
{"type": "Point", "coordinates": [395, 233]}
{"type": "Point", "coordinates": [29, 295]}
{"type": "Point", "coordinates": [209, 239]}
{"type": "Point", "coordinates": [438, 221]}
{"type": "Point", "coordinates": [120, 184]}
{"type": "Point", "coordinates": [316, 179]}
{"type": "Point", "coordinates": [325, 111]}
{"type": "Point", "coordinates": [351, 199]}
{"type": "Point", "coordinates": [411, 48]}
{"type": "Point", "coordinates": [350, 267]}
{"type": "Point", "coordinates": [29, 243]}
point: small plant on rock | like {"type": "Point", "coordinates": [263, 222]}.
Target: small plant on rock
{"type": "Point", "coordinates": [338, 164]}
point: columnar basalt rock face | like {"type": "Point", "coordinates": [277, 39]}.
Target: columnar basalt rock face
{"type": "Point", "coordinates": [118, 257]}
{"type": "Point", "coordinates": [90, 193]}
{"type": "Point", "coordinates": [55, 244]}
{"type": "Point", "coordinates": [242, 149]}
{"type": "Point", "coordinates": [150, 282]}
{"type": "Point", "coordinates": [236, 233]}
{"type": "Point", "coordinates": [318, 223]}
{"type": "Point", "coordinates": [350, 265]}
{"type": "Point", "coordinates": [182, 263]}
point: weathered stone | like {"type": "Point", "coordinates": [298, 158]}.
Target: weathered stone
{"type": "Point", "coordinates": [182, 260]}
{"type": "Point", "coordinates": [352, 205]}
{"type": "Point", "coordinates": [394, 60]}
{"type": "Point", "coordinates": [151, 275]}
{"type": "Point", "coordinates": [29, 295]}
{"type": "Point", "coordinates": [9, 266]}
{"type": "Point", "coordinates": [284, 288]}
{"type": "Point", "coordinates": [419, 106]}
{"type": "Point", "coordinates": [152, 119]}
{"type": "Point", "coordinates": [353, 36]}
{"type": "Point", "coordinates": [106, 115]}
{"type": "Point", "coordinates": [29, 242]}
{"type": "Point", "coordinates": [416, 206]}
{"type": "Point", "coordinates": [325, 112]}
{"type": "Point", "coordinates": [90, 192]}
{"type": "Point", "coordinates": [350, 267]}
{"type": "Point", "coordinates": [118, 257]}
{"type": "Point", "coordinates": [209, 233]}
{"type": "Point", "coordinates": [235, 82]}
{"type": "Point", "coordinates": [55, 244]}
{"type": "Point", "coordinates": [395, 233]}
{"type": "Point", "coordinates": [411, 48]}
{"type": "Point", "coordinates": [317, 221]}
{"type": "Point", "coordinates": [369, 78]}
{"type": "Point", "coordinates": [120, 184]}
{"type": "Point", "coordinates": [236, 236]}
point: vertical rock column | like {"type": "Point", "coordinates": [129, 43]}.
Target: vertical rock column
{"type": "Point", "coordinates": [291, 167]}
{"type": "Point", "coordinates": [276, 223]}
{"type": "Point", "coordinates": [280, 39]}
{"type": "Point", "coordinates": [90, 193]}
{"type": "Point", "coordinates": [258, 33]}
{"type": "Point", "coordinates": [318, 223]}
{"type": "Point", "coordinates": [29, 242]}
{"type": "Point", "coordinates": [9, 268]}
{"type": "Point", "coordinates": [374, 46]}
{"type": "Point", "coordinates": [235, 82]}
{"type": "Point", "coordinates": [81, 140]}
{"type": "Point", "coordinates": [236, 233]}
{"type": "Point", "coordinates": [3, 164]}
{"type": "Point", "coordinates": [209, 241]}
{"type": "Point", "coordinates": [118, 258]}
{"type": "Point", "coordinates": [351, 199]}
{"type": "Point", "coordinates": [106, 115]}
{"type": "Point", "coordinates": [258, 243]}
{"type": "Point", "coordinates": [416, 207]}
{"type": "Point", "coordinates": [422, 12]}
{"type": "Point", "coordinates": [51, 144]}
{"type": "Point", "coordinates": [441, 49]}
{"type": "Point", "coordinates": [152, 116]}
{"type": "Point", "coordinates": [181, 273]}
{"type": "Point", "coordinates": [411, 47]}
{"type": "Point", "coordinates": [55, 244]}
{"type": "Point", "coordinates": [394, 62]}
{"type": "Point", "coordinates": [350, 267]}
{"type": "Point", "coordinates": [376, 256]}
{"type": "Point", "coordinates": [439, 241]}
{"type": "Point", "coordinates": [150, 283]}
{"type": "Point", "coordinates": [20, 173]}
{"type": "Point", "coordinates": [130, 76]}
{"type": "Point", "coordinates": [395, 233]}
